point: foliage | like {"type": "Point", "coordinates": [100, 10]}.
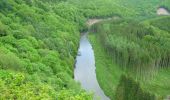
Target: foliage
{"type": "Point", "coordinates": [137, 45]}
{"type": "Point", "coordinates": [128, 89]}
{"type": "Point", "coordinates": [140, 49]}
{"type": "Point", "coordinates": [38, 43]}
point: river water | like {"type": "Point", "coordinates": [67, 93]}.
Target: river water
{"type": "Point", "coordinates": [85, 69]}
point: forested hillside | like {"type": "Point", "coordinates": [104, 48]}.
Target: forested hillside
{"type": "Point", "coordinates": [138, 49]}
{"type": "Point", "coordinates": [38, 44]}
{"type": "Point", "coordinates": [39, 41]}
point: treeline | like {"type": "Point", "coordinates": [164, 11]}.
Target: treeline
{"type": "Point", "coordinates": [134, 46]}
{"type": "Point", "coordinates": [130, 9]}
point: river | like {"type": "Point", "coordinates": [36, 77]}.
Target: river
{"type": "Point", "coordinates": [85, 67]}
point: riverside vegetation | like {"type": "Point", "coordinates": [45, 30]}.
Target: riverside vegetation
{"type": "Point", "coordinates": [135, 55]}
{"type": "Point", "coordinates": [39, 41]}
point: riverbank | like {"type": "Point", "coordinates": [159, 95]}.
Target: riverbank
{"type": "Point", "coordinates": [108, 73]}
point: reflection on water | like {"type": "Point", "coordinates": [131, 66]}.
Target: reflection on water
{"type": "Point", "coordinates": [85, 69]}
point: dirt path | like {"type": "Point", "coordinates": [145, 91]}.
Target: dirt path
{"type": "Point", "coordinates": [90, 22]}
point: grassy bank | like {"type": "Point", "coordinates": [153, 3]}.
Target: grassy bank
{"type": "Point", "coordinates": [108, 73]}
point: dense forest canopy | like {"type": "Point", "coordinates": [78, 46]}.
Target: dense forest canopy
{"type": "Point", "coordinates": [39, 41]}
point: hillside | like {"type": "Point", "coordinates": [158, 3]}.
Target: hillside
{"type": "Point", "coordinates": [139, 50]}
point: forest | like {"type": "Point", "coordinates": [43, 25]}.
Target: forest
{"type": "Point", "coordinates": [137, 57]}
{"type": "Point", "coordinates": [140, 50]}
{"type": "Point", "coordinates": [39, 41]}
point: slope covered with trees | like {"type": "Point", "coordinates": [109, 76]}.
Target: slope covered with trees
{"type": "Point", "coordinates": [140, 49]}
{"type": "Point", "coordinates": [137, 46]}
{"type": "Point", "coordinates": [37, 50]}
